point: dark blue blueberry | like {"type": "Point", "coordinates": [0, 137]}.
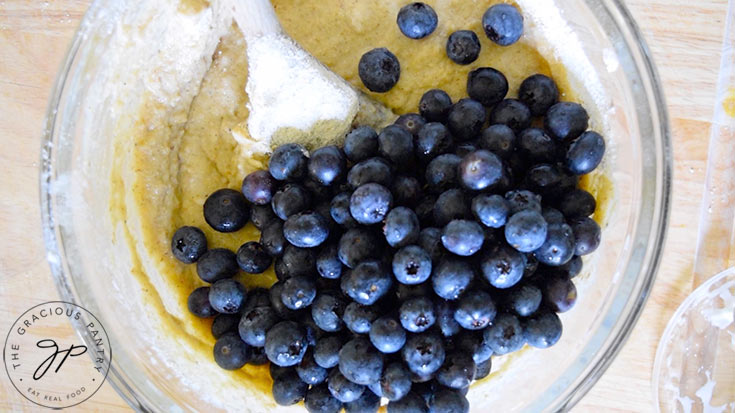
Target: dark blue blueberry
{"type": "Point", "coordinates": [463, 47]}
{"type": "Point", "coordinates": [306, 229]}
{"type": "Point", "coordinates": [449, 400]}
{"type": "Point", "coordinates": [326, 351]}
{"type": "Point", "coordinates": [566, 120]}
{"type": "Point", "coordinates": [487, 85]}
{"type": "Point", "coordinates": [198, 303]}
{"type": "Point", "coordinates": [224, 323]}
{"type": "Point", "coordinates": [586, 235]}
{"type": "Point", "coordinates": [451, 278]}
{"type": "Point", "coordinates": [387, 335]}
{"type": "Point", "coordinates": [188, 244]}
{"type": "Point", "coordinates": [328, 264]}
{"type": "Point", "coordinates": [491, 210]}
{"type": "Point", "coordinates": [577, 204]}
{"type": "Point", "coordinates": [503, 24]}
{"type": "Point", "coordinates": [227, 296]}
{"type": "Point", "coordinates": [425, 210]}
{"type": "Point", "coordinates": [553, 216]}
{"type": "Point", "coordinates": [433, 140]}
{"type": "Point", "coordinates": [370, 203]}
{"type": "Point", "coordinates": [585, 153]}
{"type": "Point", "coordinates": [466, 118]}
{"type": "Point", "coordinates": [505, 334]}
{"type": "Point", "coordinates": [375, 170]}
{"type": "Point", "coordinates": [411, 403]}
{"type": "Point", "coordinates": [464, 149]}
{"type": "Point", "coordinates": [471, 342]}
{"type": "Point", "coordinates": [572, 268]}
{"type": "Point", "coordinates": [277, 371]}
{"type": "Point", "coordinates": [458, 371]}
{"type": "Point", "coordinates": [289, 200]}
{"type": "Point", "coordinates": [276, 303]}
{"type": "Point", "coordinates": [253, 258]}
{"type": "Point", "coordinates": [434, 105]}
{"type": "Point", "coordinates": [288, 389]}
{"type": "Point", "coordinates": [424, 353]}
{"type": "Point", "coordinates": [512, 113]}
{"type": "Point", "coordinates": [451, 204]}
{"type": "Point", "coordinates": [358, 318]}
{"type": "Point", "coordinates": [412, 122]}
{"type": "Point", "coordinates": [286, 343]}
{"type": "Point", "coordinates": [417, 314]}
{"type": "Point", "coordinates": [259, 358]}
{"type": "Point", "coordinates": [396, 381]}
{"type": "Point", "coordinates": [309, 372]}
{"type": "Point", "coordinates": [226, 210]}
{"type": "Point", "coordinates": [430, 240]}
{"type": "Point", "coordinates": [319, 193]}
{"type": "Point", "coordinates": [379, 70]}
{"type": "Point", "coordinates": [313, 332]}
{"type": "Point", "coordinates": [411, 265]}
{"type": "Point", "coordinates": [361, 143]}
{"type": "Point", "coordinates": [483, 369]}
{"type": "Point", "coordinates": [262, 216]}
{"type": "Point", "coordinates": [257, 297]}
{"type": "Point", "coordinates": [545, 179]}
{"type": "Point", "coordinates": [463, 237]}
{"type": "Point", "coordinates": [498, 139]}
{"type": "Point", "coordinates": [537, 146]}
{"type": "Point", "coordinates": [272, 238]}
{"type": "Point", "coordinates": [520, 200]}
{"type": "Point", "coordinates": [417, 20]}
{"type": "Point", "coordinates": [360, 362]}
{"type": "Point", "coordinates": [539, 92]}
{"type": "Point", "coordinates": [258, 187]}
{"type": "Point", "coordinates": [375, 389]}
{"type": "Point", "coordinates": [298, 292]}
{"type": "Point", "coordinates": [480, 169]}
{"type": "Point", "coordinates": [255, 323]}
{"type": "Point", "coordinates": [502, 266]}
{"type": "Point", "coordinates": [524, 299]}
{"type": "Point", "coordinates": [559, 293]}
{"type": "Point", "coordinates": [526, 230]}
{"type": "Point", "coordinates": [295, 262]}
{"type": "Point", "coordinates": [445, 318]}
{"type": "Point", "coordinates": [401, 227]}
{"type": "Point", "coordinates": [367, 403]}
{"type": "Point", "coordinates": [231, 353]}
{"type": "Point", "coordinates": [327, 165]}
{"type": "Point", "coordinates": [367, 282]}
{"type": "Point", "coordinates": [339, 210]}
{"type": "Point", "coordinates": [475, 310]}
{"type": "Point", "coordinates": [343, 389]}
{"type": "Point", "coordinates": [320, 400]}
{"type": "Point", "coordinates": [288, 162]}
{"type": "Point", "coordinates": [395, 144]}
{"type": "Point", "coordinates": [357, 245]}
{"type": "Point", "coordinates": [406, 191]}
{"type": "Point", "coordinates": [559, 246]}
{"type": "Point", "coordinates": [543, 329]}
{"type": "Point", "coordinates": [441, 172]}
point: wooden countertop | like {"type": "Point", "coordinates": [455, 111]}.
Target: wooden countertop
{"type": "Point", "coordinates": [685, 38]}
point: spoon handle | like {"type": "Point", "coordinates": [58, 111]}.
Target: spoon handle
{"type": "Point", "coordinates": [256, 18]}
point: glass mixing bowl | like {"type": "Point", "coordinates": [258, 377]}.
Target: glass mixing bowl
{"type": "Point", "coordinates": [611, 297]}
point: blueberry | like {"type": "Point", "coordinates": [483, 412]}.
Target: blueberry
{"type": "Point", "coordinates": [328, 264]}
{"type": "Point", "coordinates": [379, 70]}
{"type": "Point", "coordinates": [451, 278]}
{"type": "Point", "coordinates": [396, 381]}
{"type": "Point", "coordinates": [274, 294]}
{"type": "Point", "coordinates": [395, 143]}
{"type": "Point", "coordinates": [313, 332]}
{"type": "Point", "coordinates": [483, 369]}
{"type": "Point", "coordinates": [441, 172]}
{"type": "Point", "coordinates": [472, 343]}
{"type": "Point", "coordinates": [553, 216]}
{"type": "Point", "coordinates": [319, 400]}
{"type": "Point", "coordinates": [188, 244]}
{"type": "Point", "coordinates": [537, 146]}
{"type": "Point", "coordinates": [298, 292]}
{"type": "Point", "coordinates": [566, 120]}
{"type": "Point", "coordinates": [475, 310]}
{"type": "Point", "coordinates": [451, 204]}
{"type": "Point", "coordinates": [359, 318]}
{"type": "Point", "coordinates": [357, 245]}
{"type": "Point", "coordinates": [360, 362]}
{"type": "Point", "coordinates": [539, 92]}
{"type": "Point", "coordinates": [387, 335]}
{"type": "Point", "coordinates": [512, 113]}
{"type": "Point", "coordinates": [288, 162]}
{"type": "Point", "coordinates": [412, 122]}
{"type": "Point", "coordinates": [559, 293]}
{"type": "Point", "coordinates": [339, 210]}
{"type": "Point", "coordinates": [434, 105]}
{"type": "Point", "coordinates": [480, 169]}
{"type": "Point", "coordinates": [289, 200]}
{"type": "Point", "coordinates": [458, 371]}
{"type": "Point", "coordinates": [463, 237]}
{"type": "Point", "coordinates": [327, 165]}
{"type": "Point", "coordinates": [433, 140]}
{"type": "Point", "coordinates": [585, 153]}
{"type": "Point", "coordinates": [258, 357]}
{"type": "Point", "coordinates": [411, 265]}
{"type": "Point", "coordinates": [425, 210]}
{"type": "Point", "coordinates": [503, 24]}
{"type": "Point", "coordinates": [431, 242]}
{"type": "Point", "coordinates": [498, 139]}
{"type": "Point", "coordinates": [309, 372]}
{"type": "Point", "coordinates": [326, 351]}
{"type": "Point", "coordinates": [370, 203]}
{"type": "Point", "coordinates": [543, 329]}
{"type": "Point", "coordinates": [258, 187]}
{"type": "Point", "coordinates": [288, 389]}
{"type": "Point", "coordinates": [257, 297]}
{"type": "Point", "coordinates": [367, 403]}
{"type": "Point", "coordinates": [198, 303]}
{"type": "Point", "coordinates": [226, 210]}
{"type": "Point", "coordinates": [487, 85]}
{"type": "Point", "coordinates": [411, 403]}
{"type": "Point", "coordinates": [272, 239]}
{"type": "Point", "coordinates": [224, 323]}
{"type": "Point", "coordinates": [505, 334]}
{"type": "Point", "coordinates": [227, 296]}
{"type": "Point", "coordinates": [559, 246]}
{"type": "Point", "coordinates": [277, 371]}
{"type": "Point", "coordinates": [343, 389]}
{"type": "Point", "coordinates": [572, 268]}
{"type": "Point", "coordinates": [417, 20]}
{"type": "Point", "coordinates": [423, 353]}
{"type": "Point", "coordinates": [491, 210]}
{"type": "Point", "coordinates": [587, 235]}
{"type": "Point", "coordinates": [577, 204]}
{"type": "Point", "coordinates": [361, 143]}
{"type": "Point", "coordinates": [520, 200]}
{"type": "Point", "coordinates": [466, 118]}
{"type": "Point", "coordinates": [526, 230]}
{"type": "Point", "coordinates": [401, 227]}
{"type": "Point", "coordinates": [406, 191]}
{"type": "Point", "coordinates": [375, 389]}
{"type": "Point", "coordinates": [286, 343]}
{"type": "Point", "coordinates": [502, 266]}
{"type": "Point", "coordinates": [231, 353]}
{"type": "Point", "coordinates": [445, 321]}
{"type": "Point", "coordinates": [545, 180]}
{"type": "Point", "coordinates": [449, 400]}
{"type": "Point", "coordinates": [524, 299]}
{"type": "Point", "coordinates": [463, 47]}
{"type": "Point", "coordinates": [417, 314]}
{"type": "Point", "coordinates": [262, 216]}
{"type": "Point", "coordinates": [253, 258]}
{"type": "Point", "coordinates": [255, 323]}
{"type": "Point", "coordinates": [367, 282]}
{"type": "Point", "coordinates": [295, 262]}
{"type": "Point", "coordinates": [375, 170]}
{"type": "Point", "coordinates": [306, 229]}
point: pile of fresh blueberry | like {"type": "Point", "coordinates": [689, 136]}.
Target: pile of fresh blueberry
{"type": "Point", "coordinates": [405, 259]}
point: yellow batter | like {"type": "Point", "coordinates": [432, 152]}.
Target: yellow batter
{"type": "Point", "coordinates": [163, 173]}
